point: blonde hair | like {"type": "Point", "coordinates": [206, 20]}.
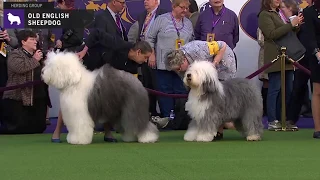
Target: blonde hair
{"type": "Point", "coordinates": [173, 59]}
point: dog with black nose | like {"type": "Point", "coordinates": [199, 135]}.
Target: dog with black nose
{"type": "Point", "coordinates": [212, 103]}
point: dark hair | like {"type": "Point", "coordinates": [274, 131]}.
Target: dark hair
{"type": "Point", "coordinates": [68, 3]}
{"type": "Point", "coordinates": [144, 46]}
{"type": "Point", "coordinates": [24, 35]}
{"type": "Point", "coordinates": [265, 5]}
{"type": "Point", "coordinates": [317, 4]}
{"type": "Point", "coordinates": [193, 7]}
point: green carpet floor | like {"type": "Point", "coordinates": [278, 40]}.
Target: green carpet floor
{"type": "Point", "coordinates": [281, 155]}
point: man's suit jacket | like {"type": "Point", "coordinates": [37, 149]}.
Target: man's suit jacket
{"type": "Point", "coordinates": [98, 55]}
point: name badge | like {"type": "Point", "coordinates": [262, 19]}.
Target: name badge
{"type": "Point", "coordinates": [3, 50]}
{"type": "Point", "coordinates": [210, 37]}
{"type": "Point", "coordinates": [179, 43]}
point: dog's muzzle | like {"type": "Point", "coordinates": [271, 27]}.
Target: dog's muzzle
{"type": "Point", "coordinates": [189, 77]}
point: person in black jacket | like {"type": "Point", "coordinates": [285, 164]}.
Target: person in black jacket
{"type": "Point", "coordinates": [312, 22]}
{"type": "Point", "coordinates": [137, 32]}
{"type": "Point", "coordinates": [70, 40]}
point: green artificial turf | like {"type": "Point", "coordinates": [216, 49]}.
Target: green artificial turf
{"type": "Point", "coordinates": [281, 155]}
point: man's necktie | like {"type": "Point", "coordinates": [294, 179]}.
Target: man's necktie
{"type": "Point", "coordinates": [118, 22]}
{"type": "Point", "coordinates": [146, 23]}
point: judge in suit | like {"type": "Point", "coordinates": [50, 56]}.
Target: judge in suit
{"type": "Point", "coordinates": [136, 33]}
{"type": "Point", "coordinates": [110, 22]}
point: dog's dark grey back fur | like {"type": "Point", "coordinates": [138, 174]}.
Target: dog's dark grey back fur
{"type": "Point", "coordinates": [116, 96]}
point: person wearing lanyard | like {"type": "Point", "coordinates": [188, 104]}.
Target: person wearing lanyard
{"type": "Point", "coordinates": [218, 23]}
{"type": "Point", "coordinates": [168, 32]}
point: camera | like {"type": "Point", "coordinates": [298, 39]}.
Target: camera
{"type": "Point", "coordinates": [67, 34]}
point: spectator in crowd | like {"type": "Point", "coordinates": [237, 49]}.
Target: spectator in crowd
{"type": "Point", "coordinates": [25, 109]}
{"type": "Point", "coordinates": [217, 52]}
{"type": "Point", "coordinates": [168, 32]}
{"type": "Point", "coordinates": [300, 90]}
{"type": "Point", "coordinates": [312, 23]}
{"type": "Point", "coordinates": [8, 42]}
{"type": "Point", "coordinates": [193, 13]}
{"type": "Point", "coordinates": [274, 27]}
{"type": "Point", "coordinates": [218, 23]}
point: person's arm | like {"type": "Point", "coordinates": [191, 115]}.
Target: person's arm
{"type": "Point", "coordinates": [268, 28]}
{"type": "Point", "coordinates": [310, 31]}
{"type": "Point", "coordinates": [133, 34]}
{"type": "Point", "coordinates": [13, 38]}
{"type": "Point", "coordinates": [151, 38]}
{"type": "Point", "coordinates": [19, 64]}
{"type": "Point", "coordinates": [236, 31]}
{"type": "Point", "coordinates": [260, 38]}
{"type": "Point", "coordinates": [222, 49]}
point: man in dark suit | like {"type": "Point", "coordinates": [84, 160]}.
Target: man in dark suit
{"type": "Point", "coordinates": [137, 32]}
{"type": "Point", "coordinates": [108, 21]}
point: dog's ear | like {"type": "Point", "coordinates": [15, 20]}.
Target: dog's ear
{"type": "Point", "coordinates": [208, 86]}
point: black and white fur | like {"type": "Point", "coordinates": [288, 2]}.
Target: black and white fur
{"type": "Point", "coordinates": [211, 103]}
{"type": "Point", "coordinates": [104, 95]}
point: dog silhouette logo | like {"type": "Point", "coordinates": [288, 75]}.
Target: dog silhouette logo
{"type": "Point", "coordinates": [12, 18]}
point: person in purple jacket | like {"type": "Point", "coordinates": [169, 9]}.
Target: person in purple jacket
{"type": "Point", "coordinates": [218, 23]}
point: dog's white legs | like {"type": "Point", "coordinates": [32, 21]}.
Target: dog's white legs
{"type": "Point", "coordinates": [149, 135]}
{"type": "Point", "coordinates": [253, 138]}
{"type": "Point", "coordinates": [192, 131]}
{"type": "Point", "coordinates": [79, 131]}
{"type": "Point", "coordinates": [205, 136]}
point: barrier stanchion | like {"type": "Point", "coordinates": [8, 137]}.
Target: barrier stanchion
{"type": "Point", "coordinates": [283, 59]}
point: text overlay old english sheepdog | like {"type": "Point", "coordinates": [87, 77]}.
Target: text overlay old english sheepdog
{"type": "Point", "coordinates": [212, 103]}
{"type": "Point", "coordinates": [106, 95]}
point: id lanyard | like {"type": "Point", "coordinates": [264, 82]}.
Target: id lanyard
{"type": "Point", "coordinates": [214, 23]}
{"type": "Point", "coordinates": [175, 25]}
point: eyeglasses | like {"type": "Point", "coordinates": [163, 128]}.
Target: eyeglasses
{"type": "Point", "coordinates": [184, 8]}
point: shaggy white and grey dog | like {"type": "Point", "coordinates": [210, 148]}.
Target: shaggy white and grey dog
{"type": "Point", "coordinates": [104, 95]}
{"type": "Point", "coordinates": [211, 103]}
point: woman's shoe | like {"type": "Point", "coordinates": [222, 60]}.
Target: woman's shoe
{"type": "Point", "coordinates": [316, 135]}
{"type": "Point", "coordinates": [56, 140]}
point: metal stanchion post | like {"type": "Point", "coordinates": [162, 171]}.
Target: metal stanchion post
{"type": "Point", "coordinates": [283, 88]}
{"type": "Point", "coordinates": [283, 58]}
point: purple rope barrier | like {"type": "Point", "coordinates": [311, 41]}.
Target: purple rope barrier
{"type": "Point", "coordinates": [151, 91]}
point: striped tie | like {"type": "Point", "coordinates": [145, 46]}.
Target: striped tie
{"type": "Point", "coordinates": [146, 23]}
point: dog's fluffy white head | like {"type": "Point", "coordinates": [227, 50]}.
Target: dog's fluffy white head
{"type": "Point", "coordinates": [203, 77]}
{"type": "Point", "coordinates": [62, 70]}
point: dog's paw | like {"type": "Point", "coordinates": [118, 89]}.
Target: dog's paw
{"type": "Point", "coordinates": [75, 139]}
{"type": "Point", "coordinates": [253, 138]}
{"type": "Point", "coordinates": [205, 137]}
{"type": "Point", "coordinates": [190, 136]}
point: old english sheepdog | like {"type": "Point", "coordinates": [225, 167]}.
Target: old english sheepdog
{"type": "Point", "coordinates": [104, 95]}
{"type": "Point", "coordinates": [212, 103]}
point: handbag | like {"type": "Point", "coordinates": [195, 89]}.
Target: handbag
{"type": "Point", "coordinates": [295, 49]}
